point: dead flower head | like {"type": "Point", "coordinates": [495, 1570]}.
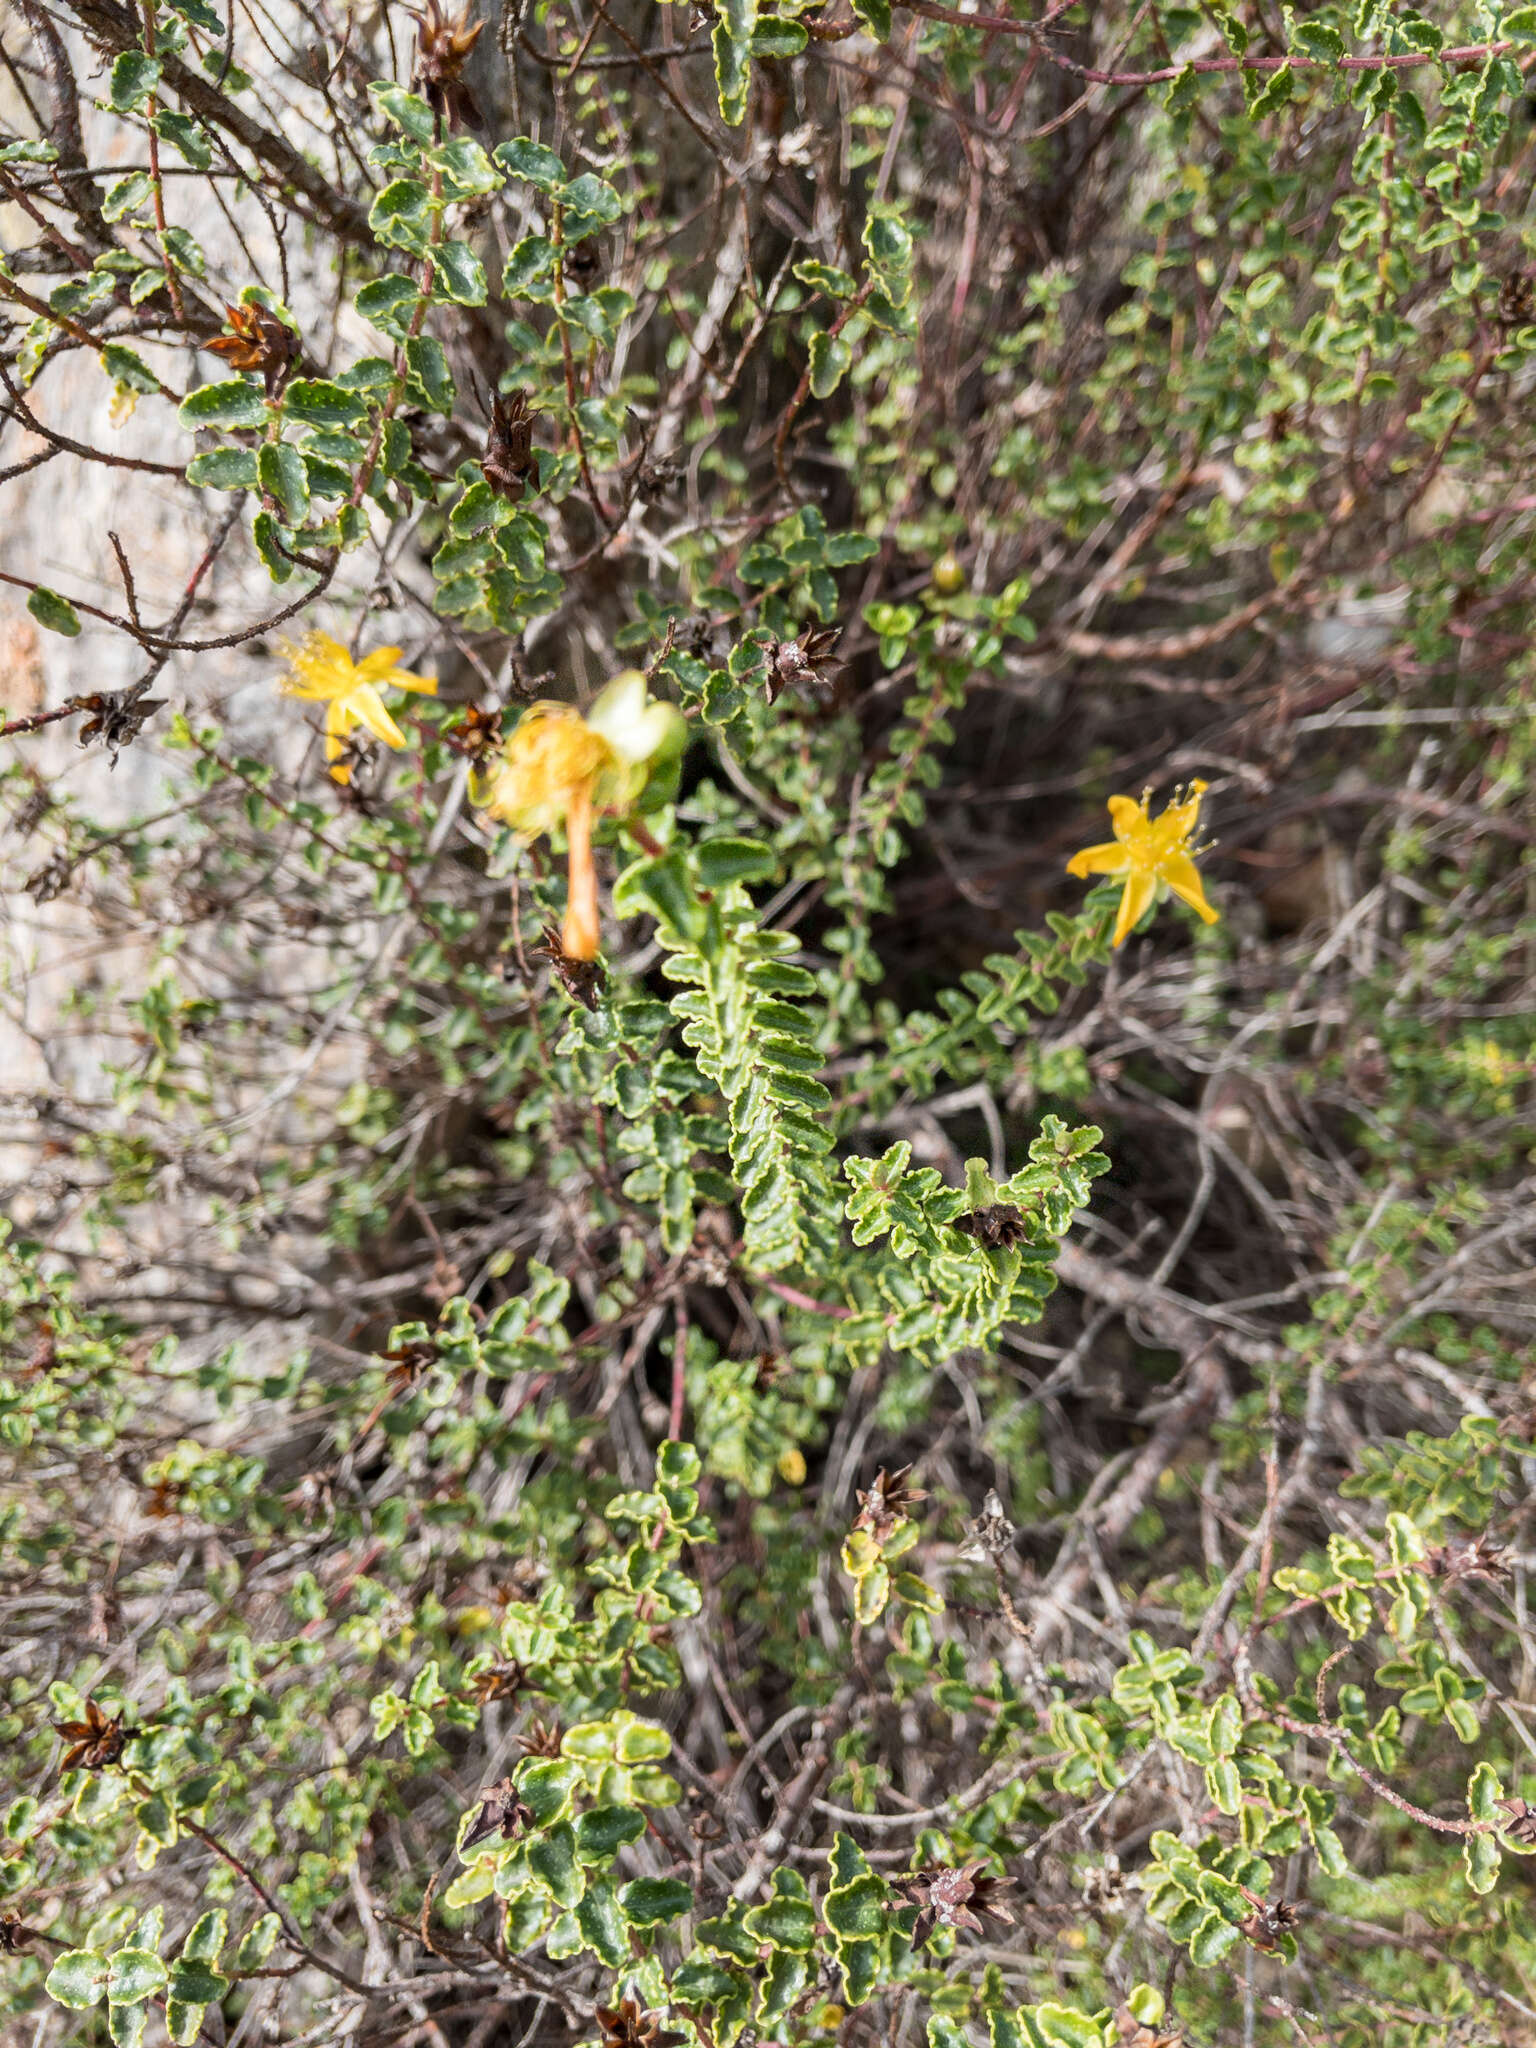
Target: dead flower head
{"type": "Point", "coordinates": [509, 460]}
{"type": "Point", "coordinates": [1521, 1825]}
{"type": "Point", "coordinates": [95, 1743]}
{"type": "Point", "coordinates": [407, 1362]}
{"type": "Point", "coordinates": [627, 2025]}
{"type": "Point", "coordinates": [475, 733]}
{"type": "Point", "coordinates": [954, 1898]}
{"type": "Point", "coordinates": [500, 1682]}
{"type": "Point", "coordinates": [13, 1935]}
{"type": "Point", "coordinates": [653, 480]}
{"type": "Point", "coordinates": [1135, 2033]}
{"type": "Point", "coordinates": [117, 718]}
{"type": "Point", "coordinates": [1467, 1557]}
{"type": "Point", "coordinates": [31, 811]}
{"type": "Point", "coordinates": [51, 879]}
{"type": "Point", "coordinates": [443, 44]}
{"type": "Point", "coordinates": [886, 1502]}
{"type": "Point", "coordinates": [257, 340]}
{"type": "Point", "coordinates": [1269, 1922]}
{"type": "Point", "coordinates": [501, 1813]}
{"type": "Point", "coordinates": [999, 1227]}
{"type": "Point", "coordinates": [1517, 301]}
{"type": "Point", "coordinates": [990, 1536]}
{"type": "Point", "coordinates": [582, 980]}
{"type": "Point", "coordinates": [809, 659]}
{"type": "Point", "coordinates": [540, 1738]}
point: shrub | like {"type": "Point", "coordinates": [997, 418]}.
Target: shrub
{"type": "Point", "coordinates": [545, 1490]}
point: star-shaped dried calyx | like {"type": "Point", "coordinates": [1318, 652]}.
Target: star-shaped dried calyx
{"type": "Point", "coordinates": [51, 879]}
{"type": "Point", "coordinates": [1135, 2033]}
{"type": "Point", "coordinates": [582, 980]}
{"type": "Point", "coordinates": [31, 811]}
{"type": "Point", "coordinates": [887, 1502]}
{"type": "Point", "coordinates": [1270, 1920]}
{"type": "Point", "coordinates": [954, 1898]}
{"type": "Point", "coordinates": [443, 44]}
{"type": "Point", "coordinates": [1517, 301]}
{"type": "Point", "coordinates": [500, 1682]}
{"type": "Point", "coordinates": [806, 660]}
{"type": "Point", "coordinates": [257, 340]}
{"type": "Point", "coordinates": [1467, 1557]}
{"type": "Point", "coordinates": [654, 479]}
{"type": "Point", "coordinates": [475, 732]}
{"type": "Point", "coordinates": [501, 1813]}
{"type": "Point", "coordinates": [999, 1226]}
{"type": "Point", "coordinates": [540, 1738]}
{"type": "Point", "coordinates": [1521, 1825]}
{"type": "Point", "coordinates": [509, 460]}
{"type": "Point", "coordinates": [117, 718]}
{"type": "Point", "coordinates": [628, 2025]}
{"type": "Point", "coordinates": [407, 1362]}
{"type": "Point", "coordinates": [96, 1742]}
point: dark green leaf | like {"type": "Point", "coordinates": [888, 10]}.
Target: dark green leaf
{"type": "Point", "coordinates": [234, 402]}
{"type": "Point", "coordinates": [281, 472]}
{"type": "Point", "coordinates": [134, 78]}
{"type": "Point", "coordinates": [54, 612]}
{"type": "Point", "coordinates": [531, 160]}
{"type": "Point", "coordinates": [78, 1979]}
{"type": "Point", "coordinates": [224, 469]}
{"type": "Point", "coordinates": [651, 1901]}
{"type": "Point", "coordinates": [459, 273]}
{"type": "Point", "coordinates": [735, 21]}
{"type": "Point", "coordinates": [406, 111]}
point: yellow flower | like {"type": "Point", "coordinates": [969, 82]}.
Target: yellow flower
{"type": "Point", "coordinates": [1148, 851]}
{"type": "Point", "coordinates": [322, 672]}
{"type": "Point", "coordinates": [560, 766]}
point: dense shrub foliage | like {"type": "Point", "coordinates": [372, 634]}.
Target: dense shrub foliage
{"type": "Point", "coordinates": [656, 1384]}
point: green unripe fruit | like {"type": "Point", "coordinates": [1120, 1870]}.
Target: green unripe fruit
{"type": "Point", "coordinates": [948, 574]}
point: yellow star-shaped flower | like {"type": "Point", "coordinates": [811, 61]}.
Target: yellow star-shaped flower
{"type": "Point", "coordinates": [560, 767]}
{"type": "Point", "coordinates": [321, 671]}
{"type": "Point", "coordinates": [1149, 851]}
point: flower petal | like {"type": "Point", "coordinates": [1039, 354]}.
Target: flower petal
{"type": "Point", "coordinates": [375, 667]}
{"type": "Point", "coordinates": [382, 666]}
{"type": "Point", "coordinates": [1110, 858]}
{"type": "Point", "coordinates": [1140, 888]}
{"type": "Point", "coordinates": [1183, 878]}
{"type": "Point", "coordinates": [634, 724]}
{"type": "Point", "coordinates": [367, 708]}
{"type": "Point", "coordinates": [338, 723]}
{"type": "Point", "coordinates": [319, 667]}
{"type": "Point", "coordinates": [1128, 816]}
